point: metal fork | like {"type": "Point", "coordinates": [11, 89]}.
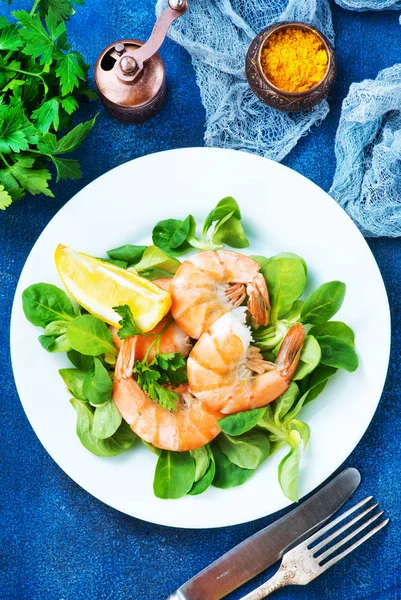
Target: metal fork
{"type": "Point", "coordinates": [301, 565]}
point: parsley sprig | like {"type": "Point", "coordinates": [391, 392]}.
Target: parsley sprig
{"type": "Point", "coordinates": [164, 370]}
{"type": "Point", "coordinates": [40, 80]}
{"type": "Point", "coordinates": [128, 326]}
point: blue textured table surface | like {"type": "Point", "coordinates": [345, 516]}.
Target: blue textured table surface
{"type": "Point", "coordinates": [56, 541]}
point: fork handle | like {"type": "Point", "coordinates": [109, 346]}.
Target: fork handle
{"type": "Point", "coordinates": [276, 582]}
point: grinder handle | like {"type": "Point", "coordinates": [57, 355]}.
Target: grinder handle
{"type": "Point", "coordinates": [168, 16]}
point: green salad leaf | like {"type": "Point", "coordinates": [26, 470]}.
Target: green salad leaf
{"type": "Point", "coordinates": [80, 361]}
{"type": "Point", "coordinates": [171, 235]}
{"type": "Point", "coordinates": [227, 225]}
{"type": "Point", "coordinates": [294, 313]}
{"type": "Point", "coordinates": [315, 384]}
{"type": "Point", "coordinates": [44, 303]}
{"type": "Point", "coordinates": [247, 450]}
{"type": "Point", "coordinates": [241, 422]}
{"type": "Point", "coordinates": [222, 226]}
{"type": "Point", "coordinates": [336, 329]}
{"type": "Point", "coordinates": [117, 263]}
{"type": "Point", "coordinates": [74, 380]}
{"type": "Point", "coordinates": [262, 260]}
{"type": "Point", "coordinates": [106, 420]}
{"type": "Point", "coordinates": [202, 460]}
{"type": "Point", "coordinates": [270, 337]}
{"type": "Point", "coordinates": [227, 207]}
{"type": "Point", "coordinates": [174, 475]}
{"type": "Point", "coordinates": [52, 343]}
{"type": "Point", "coordinates": [285, 402]}
{"type": "Point", "coordinates": [288, 469]}
{"type": "Point", "coordinates": [337, 353]}
{"type": "Point", "coordinates": [288, 473]}
{"type": "Point", "coordinates": [118, 443]}
{"type": "Point", "coordinates": [303, 429]}
{"type": "Point", "coordinates": [128, 253]}
{"type": "Point", "coordinates": [227, 474]}
{"type": "Point", "coordinates": [309, 359]}
{"type": "Point", "coordinates": [97, 385]}
{"type": "Point", "coordinates": [290, 255]}
{"type": "Point", "coordinates": [56, 328]}
{"type": "Point", "coordinates": [89, 335]}
{"type": "Point", "coordinates": [152, 448]}
{"type": "Point", "coordinates": [154, 259]}
{"type": "Point", "coordinates": [323, 303]}
{"type": "Point", "coordinates": [286, 280]}
{"type": "Point", "coordinates": [202, 484]}
{"type": "Point", "coordinates": [231, 233]}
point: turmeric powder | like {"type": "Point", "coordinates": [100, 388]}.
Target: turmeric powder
{"type": "Point", "coordinates": [294, 59]}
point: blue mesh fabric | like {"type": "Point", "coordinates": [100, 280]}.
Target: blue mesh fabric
{"type": "Point", "coordinates": [370, 4]}
{"type": "Point", "coordinates": [367, 181]}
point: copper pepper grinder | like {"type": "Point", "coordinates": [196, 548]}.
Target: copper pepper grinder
{"type": "Point", "coordinates": [130, 74]}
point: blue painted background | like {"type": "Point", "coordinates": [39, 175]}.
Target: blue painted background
{"type": "Point", "coordinates": [56, 541]}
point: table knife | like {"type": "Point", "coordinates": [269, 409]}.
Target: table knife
{"type": "Point", "coordinates": [264, 548]}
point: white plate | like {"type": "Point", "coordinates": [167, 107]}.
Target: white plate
{"type": "Point", "coordinates": [283, 211]}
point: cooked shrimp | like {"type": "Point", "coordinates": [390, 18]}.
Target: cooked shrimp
{"type": "Point", "coordinates": [193, 424]}
{"type": "Point", "coordinates": [173, 340]}
{"type": "Point", "coordinates": [230, 375]}
{"type": "Point", "coordinates": [211, 284]}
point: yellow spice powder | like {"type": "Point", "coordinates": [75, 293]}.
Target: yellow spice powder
{"type": "Point", "coordinates": [294, 59]}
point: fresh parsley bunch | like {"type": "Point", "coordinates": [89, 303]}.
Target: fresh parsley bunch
{"type": "Point", "coordinates": [40, 80]}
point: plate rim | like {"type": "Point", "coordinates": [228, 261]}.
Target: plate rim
{"type": "Point", "coordinates": [230, 522]}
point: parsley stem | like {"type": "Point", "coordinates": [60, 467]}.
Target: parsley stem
{"type": "Point", "coordinates": [157, 340]}
{"type": "Point", "coordinates": [4, 161]}
{"type": "Point", "coordinates": [38, 75]}
{"type": "Point", "coordinates": [40, 153]}
{"type": "Point", "coordinates": [34, 7]}
{"type": "Point", "coordinates": [24, 72]}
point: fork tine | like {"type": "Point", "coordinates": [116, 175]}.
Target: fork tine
{"type": "Point", "coordinates": [349, 537]}
{"type": "Point", "coordinates": [332, 524]}
{"type": "Point", "coordinates": [341, 529]}
{"type": "Point", "coordinates": [335, 560]}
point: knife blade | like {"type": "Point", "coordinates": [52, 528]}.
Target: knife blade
{"type": "Point", "coordinates": [264, 548]}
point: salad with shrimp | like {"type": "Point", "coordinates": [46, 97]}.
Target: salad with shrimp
{"type": "Point", "coordinates": [208, 359]}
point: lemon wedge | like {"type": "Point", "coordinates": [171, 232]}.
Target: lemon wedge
{"type": "Point", "coordinates": [98, 286]}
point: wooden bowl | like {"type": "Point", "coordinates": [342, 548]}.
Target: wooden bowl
{"type": "Point", "coordinates": [274, 96]}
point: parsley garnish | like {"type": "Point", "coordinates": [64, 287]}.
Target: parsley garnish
{"type": "Point", "coordinates": [40, 79]}
{"type": "Point", "coordinates": [127, 323]}
{"type": "Point", "coordinates": [172, 368]}
{"type": "Point", "coordinates": [165, 369]}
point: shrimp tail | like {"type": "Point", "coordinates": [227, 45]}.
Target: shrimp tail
{"type": "Point", "coordinates": [258, 301]}
{"type": "Point", "coordinates": [290, 351]}
{"type": "Point", "coordinates": [126, 359]}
